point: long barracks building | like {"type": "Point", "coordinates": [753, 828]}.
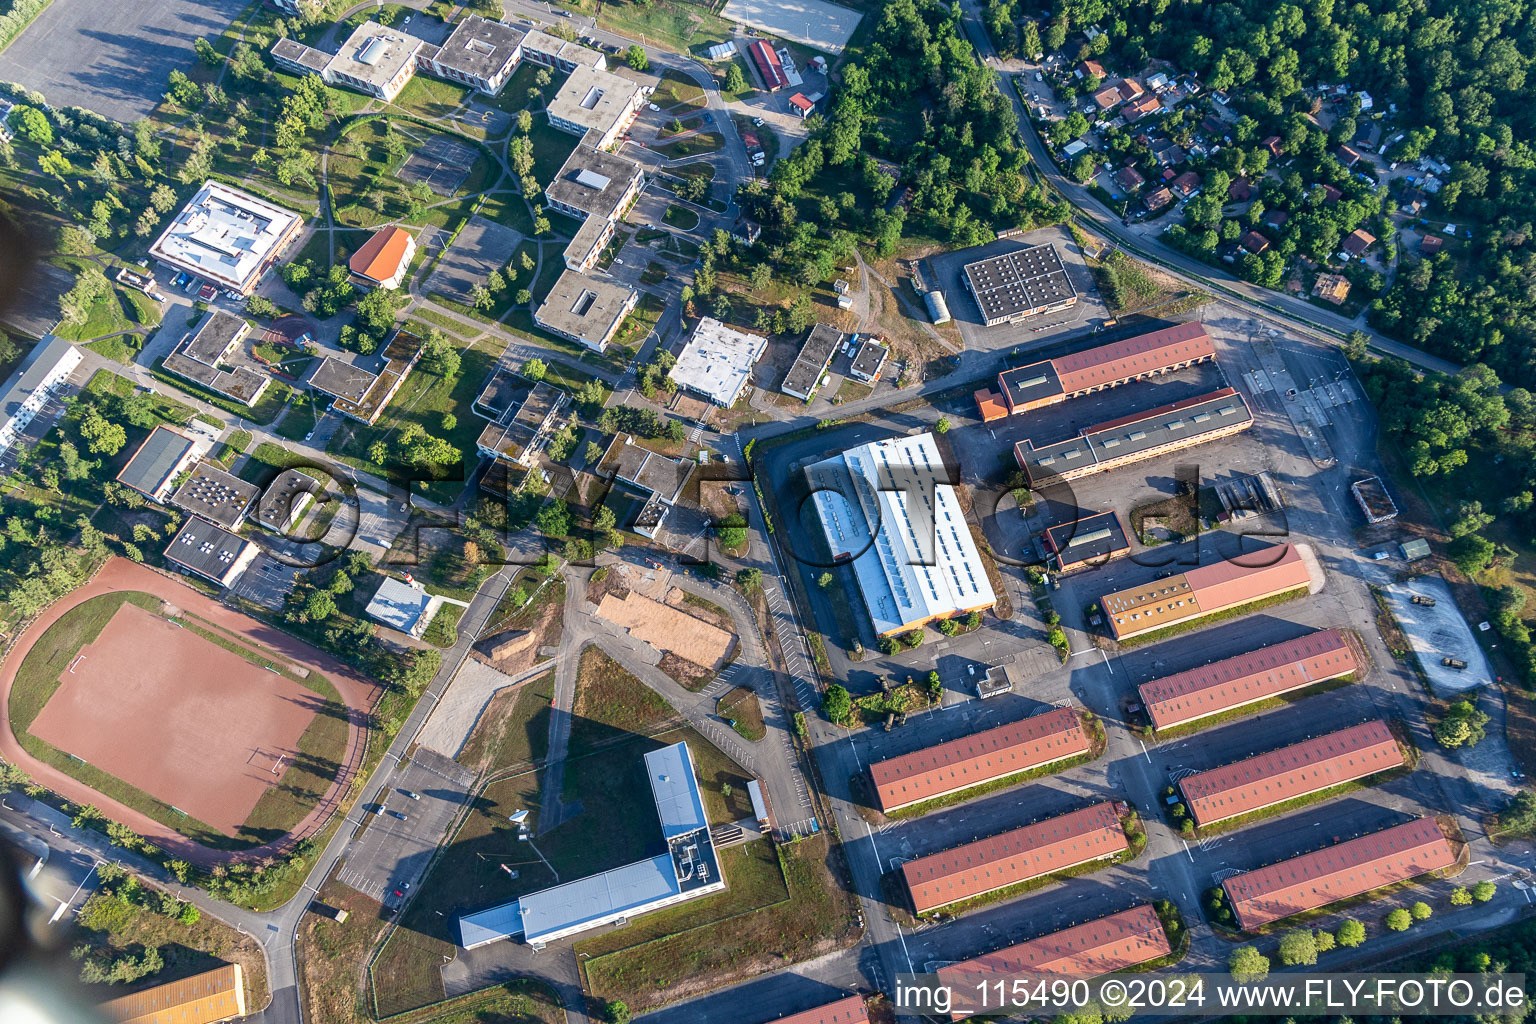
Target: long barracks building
{"type": "Point", "coordinates": [979, 758]}
{"type": "Point", "coordinates": [1108, 944]}
{"type": "Point", "coordinates": [1018, 855]}
{"type": "Point", "coordinates": [1080, 373]}
{"type": "Point", "coordinates": [850, 1010]}
{"type": "Point", "coordinates": [1269, 572]}
{"type": "Point", "coordinates": [1248, 678]}
{"type": "Point", "coordinates": [1297, 770]}
{"type": "Point", "coordinates": [1135, 438]}
{"type": "Point", "coordinates": [1338, 872]}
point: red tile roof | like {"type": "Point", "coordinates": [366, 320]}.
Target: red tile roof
{"type": "Point", "coordinates": [978, 758]}
{"type": "Point", "coordinates": [844, 1011]}
{"type": "Point", "coordinates": [1357, 241]}
{"type": "Point", "coordinates": [1338, 872]}
{"type": "Point", "coordinates": [1246, 678]}
{"type": "Point", "coordinates": [1210, 588]}
{"type": "Point", "coordinates": [1108, 944]}
{"type": "Point", "coordinates": [1121, 361]}
{"type": "Point", "coordinates": [1186, 183]}
{"type": "Point", "coordinates": [379, 258]}
{"type": "Point", "coordinates": [1017, 855]}
{"type": "Point", "coordinates": [1291, 771]}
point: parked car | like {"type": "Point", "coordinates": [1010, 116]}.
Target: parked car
{"type": "Point", "coordinates": [408, 794]}
{"type": "Point", "coordinates": [397, 814]}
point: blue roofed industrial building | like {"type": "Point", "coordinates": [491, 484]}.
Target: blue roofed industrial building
{"type": "Point", "coordinates": [689, 868]}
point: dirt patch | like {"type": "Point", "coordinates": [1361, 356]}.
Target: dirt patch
{"type": "Point", "coordinates": [690, 676]}
{"type": "Point", "coordinates": [177, 716]}
{"type": "Point", "coordinates": [669, 629]}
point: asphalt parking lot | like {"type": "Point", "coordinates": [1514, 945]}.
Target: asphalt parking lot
{"type": "Point", "coordinates": [111, 58]}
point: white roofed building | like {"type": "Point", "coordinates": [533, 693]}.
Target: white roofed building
{"type": "Point", "coordinates": [717, 361]}
{"type": "Point", "coordinates": [594, 100]}
{"type": "Point", "coordinates": [922, 563]}
{"type": "Point", "coordinates": [690, 868]}
{"type": "Point", "coordinates": [227, 237]}
{"type": "Point", "coordinates": [376, 59]}
{"type": "Point", "coordinates": [41, 374]}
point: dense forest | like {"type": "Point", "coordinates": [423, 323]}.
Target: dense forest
{"type": "Point", "coordinates": [1459, 80]}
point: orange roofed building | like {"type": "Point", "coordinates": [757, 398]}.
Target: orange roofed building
{"type": "Point", "coordinates": [1108, 944]}
{"type": "Point", "coordinates": [979, 758]}
{"type": "Point", "coordinates": [1348, 869]}
{"type": "Point", "coordinates": [1018, 855]}
{"type": "Point", "coordinates": [845, 1011]}
{"type": "Point", "coordinates": [381, 261]}
{"type": "Point", "coordinates": [1267, 573]}
{"type": "Point", "coordinates": [1246, 678]}
{"type": "Point", "coordinates": [206, 998]}
{"type": "Point", "coordinates": [1290, 772]}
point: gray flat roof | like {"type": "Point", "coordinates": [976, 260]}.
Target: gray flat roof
{"type": "Point", "coordinates": [1094, 535]}
{"type": "Point", "coordinates": [340, 379]}
{"type": "Point", "coordinates": [586, 307]}
{"type": "Point", "coordinates": [215, 495]}
{"type": "Point", "coordinates": [814, 356]}
{"type": "Point", "coordinates": [1030, 383]}
{"type": "Point", "coordinates": [205, 548]}
{"type": "Point", "coordinates": [151, 466]}
{"type": "Point", "coordinates": [295, 52]}
{"type": "Point", "coordinates": [676, 790]}
{"type": "Point", "coordinates": [398, 605]}
{"type": "Point", "coordinates": [869, 357]}
{"type": "Point", "coordinates": [593, 181]}
{"type": "Point", "coordinates": [285, 497]}
{"type": "Point", "coordinates": [34, 369]}
{"type": "Point", "coordinates": [649, 471]}
{"type": "Point", "coordinates": [1016, 281]}
{"type": "Point", "coordinates": [479, 48]}
{"type": "Point", "coordinates": [214, 335]}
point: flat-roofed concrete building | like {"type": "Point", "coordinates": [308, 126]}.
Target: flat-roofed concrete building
{"type": "Point", "coordinates": [361, 394]}
{"type": "Point", "coordinates": [227, 237]}
{"type": "Point", "coordinates": [1105, 366]}
{"type": "Point", "coordinates": [815, 355]}
{"type": "Point", "coordinates": [283, 502]}
{"type": "Point", "coordinates": [376, 59]}
{"type": "Point", "coordinates": [689, 868]}
{"type": "Point", "coordinates": [1018, 855]}
{"type": "Point", "coordinates": [1296, 770]}
{"type": "Point", "coordinates": [1015, 285]}
{"type": "Point", "coordinates": [850, 1010]}
{"type": "Point", "coordinates": [479, 53]}
{"type": "Point", "coordinates": [381, 262]}
{"type": "Point", "coordinates": [597, 188]}
{"type": "Point", "coordinates": [1135, 438]}
{"type": "Point", "coordinates": [206, 998]}
{"type": "Point", "coordinates": [890, 509]}
{"type": "Point", "coordinates": [292, 55]}
{"type": "Point", "coordinates": [1267, 572]}
{"type": "Point", "coordinates": [210, 551]}
{"type": "Point", "coordinates": [586, 310]}
{"type": "Point", "coordinates": [203, 358]}
{"type": "Point", "coordinates": [164, 456]}
{"type": "Point", "coordinates": [1097, 947]}
{"type": "Point", "coordinates": [217, 496]}
{"type": "Point", "coordinates": [1244, 679]}
{"type": "Point", "coordinates": [400, 606]}
{"type": "Point", "coordinates": [1338, 872]}
{"type": "Point", "coordinates": [561, 54]}
{"type": "Point", "coordinates": [868, 360]}
{"type": "Point", "coordinates": [717, 362]}
{"type": "Point", "coordinates": [41, 374]}
{"type": "Point", "coordinates": [523, 416]}
{"type": "Point", "coordinates": [1092, 540]}
{"type": "Point", "coordinates": [660, 477]}
{"type": "Point", "coordinates": [600, 101]}
{"type": "Point", "coordinates": [981, 757]}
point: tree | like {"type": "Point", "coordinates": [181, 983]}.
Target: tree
{"type": "Point", "coordinates": [1461, 725]}
{"type": "Point", "coordinates": [825, 580]}
{"type": "Point", "coordinates": [1351, 933]}
{"type": "Point", "coordinates": [30, 124]}
{"type": "Point", "coordinates": [618, 1012]}
{"type": "Point", "coordinates": [439, 356]}
{"type": "Point", "coordinates": [1399, 920]}
{"type": "Point", "coordinates": [1483, 891]}
{"type": "Point", "coordinates": [481, 298]}
{"type": "Point", "coordinates": [102, 436]}
{"type": "Point", "coordinates": [523, 297]}
{"type": "Point", "coordinates": [1247, 964]}
{"type": "Point", "coordinates": [735, 81]}
{"type": "Point", "coordinates": [837, 704]}
{"type": "Point", "coordinates": [555, 519]}
{"type": "Point", "coordinates": [1460, 897]}
{"type": "Point", "coordinates": [1471, 553]}
{"type": "Point", "coordinates": [749, 579]}
{"type": "Point", "coordinates": [1420, 911]}
{"type": "Point", "coordinates": [732, 531]}
{"type": "Point", "coordinates": [535, 369]}
{"type": "Point", "coordinates": [377, 310]}
{"type": "Point", "coordinates": [635, 57]}
{"type": "Point", "coordinates": [206, 53]}
{"type": "Point", "coordinates": [943, 425]}
{"type": "Point", "coordinates": [1297, 947]}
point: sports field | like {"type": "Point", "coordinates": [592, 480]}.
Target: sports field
{"type": "Point", "coordinates": [190, 723]}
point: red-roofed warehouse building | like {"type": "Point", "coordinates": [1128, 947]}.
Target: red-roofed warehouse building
{"type": "Point", "coordinates": [1317, 879]}
{"type": "Point", "coordinates": [1247, 678]}
{"type": "Point", "coordinates": [1108, 944]}
{"type": "Point", "coordinates": [1146, 355]}
{"type": "Point", "coordinates": [768, 65]}
{"type": "Point", "coordinates": [1268, 572]}
{"type": "Point", "coordinates": [845, 1011]}
{"type": "Point", "coordinates": [1292, 771]}
{"type": "Point", "coordinates": [1018, 855]}
{"type": "Point", "coordinates": [979, 758]}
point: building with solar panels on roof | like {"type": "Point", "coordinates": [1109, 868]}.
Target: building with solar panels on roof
{"type": "Point", "coordinates": [215, 495]}
{"type": "Point", "coordinates": [1019, 284]}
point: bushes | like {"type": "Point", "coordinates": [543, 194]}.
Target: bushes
{"type": "Point", "coordinates": [18, 15]}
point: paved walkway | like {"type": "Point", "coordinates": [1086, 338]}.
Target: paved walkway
{"type": "Point", "coordinates": [465, 700]}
